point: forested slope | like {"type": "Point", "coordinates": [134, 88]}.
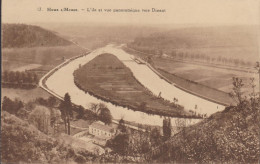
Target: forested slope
{"type": "Point", "coordinates": [230, 136]}
{"type": "Point", "coordinates": [21, 35]}
{"type": "Point", "coordinates": [22, 142]}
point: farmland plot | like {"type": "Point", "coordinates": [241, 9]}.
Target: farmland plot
{"type": "Point", "coordinates": [108, 78]}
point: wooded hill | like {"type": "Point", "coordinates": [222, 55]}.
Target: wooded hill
{"type": "Point", "coordinates": [230, 136]}
{"type": "Point", "coordinates": [21, 35]}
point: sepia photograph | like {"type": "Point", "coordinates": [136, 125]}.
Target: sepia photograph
{"type": "Point", "coordinates": [134, 81]}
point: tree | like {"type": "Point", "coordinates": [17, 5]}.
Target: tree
{"type": "Point", "coordinates": [51, 101]}
{"type": "Point", "coordinates": [121, 125]}
{"type": "Point", "coordinates": [28, 77]}
{"type": "Point", "coordinates": [11, 76]}
{"type": "Point", "coordinates": [237, 93]}
{"type": "Point", "coordinates": [66, 112]}
{"type": "Point", "coordinates": [105, 115]}
{"type": "Point", "coordinates": [55, 116]}
{"type": "Point", "coordinates": [167, 129]}
{"type": "Point", "coordinates": [253, 94]}
{"type": "Point", "coordinates": [40, 117]}
{"type": "Point", "coordinates": [5, 76]}
{"type": "Point", "coordinates": [155, 136]}
{"type": "Point", "coordinates": [96, 107]}
{"type": "Point", "coordinates": [18, 78]}
{"type": "Point", "coordinates": [80, 111]}
{"type": "Point", "coordinates": [175, 100]}
{"type": "Point", "coordinates": [120, 144]}
{"type": "Point", "coordinates": [11, 106]}
{"type": "Point", "coordinates": [35, 78]}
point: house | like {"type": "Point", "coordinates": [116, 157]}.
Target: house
{"type": "Point", "coordinates": [101, 132]}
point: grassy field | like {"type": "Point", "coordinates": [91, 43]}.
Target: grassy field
{"type": "Point", "coordinates": [197, 88]}
{"type": "Point", "coordinates": [107, 78]}
{"type": "Point", "coordinates": [208, 81]}
{"type": "Point", "coordinates": [25, 95]}
{"type": "Point", "coordinates": [38, 59]}
{"type": "Point", "coordinates": [217, 78]}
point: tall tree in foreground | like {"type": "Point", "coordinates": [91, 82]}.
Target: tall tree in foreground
{"type": "Point", "coordinates": [41, 118]}
{"type": "Point", "coordinates": [66, 112]}
{"type": "Point", "coordinates": [167, 128]}
{"type": "Point", "coordinates": [155, 136]}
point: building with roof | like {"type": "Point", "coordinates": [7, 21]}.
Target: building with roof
{"type": "Point", "coordinates": [101, 132]}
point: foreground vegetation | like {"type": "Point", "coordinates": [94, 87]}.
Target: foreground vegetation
{"type": "Point", "coordinates": [230, 136]}
{"type": "Point", "coordinates": [227, 136]}
{"type": "Point", "coordinates": [34, 132]}
{"type": "Point", "coordinates": [23, 142]}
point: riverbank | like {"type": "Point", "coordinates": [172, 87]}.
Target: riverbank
{"type": "Point", "coordinates": [110, 80]}
{"type": "Point", "coordinates": [62, 82]}
{"type": "Point", "coordinates": [205, 92]}
{"type": "Point", "coordinates": [42, 82]}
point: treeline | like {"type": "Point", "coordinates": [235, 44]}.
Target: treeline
{"type": "Point", "coordinates": [210, 59]}
{"type": "Point", "coordinates": [18, 79]}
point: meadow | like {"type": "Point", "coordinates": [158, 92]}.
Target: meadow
{"type": "Point", "coordinates": [210, 76]}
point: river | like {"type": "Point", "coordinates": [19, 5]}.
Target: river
{"type": "Point", "coordinates": [62, 81]}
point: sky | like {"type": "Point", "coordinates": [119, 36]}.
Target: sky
{"type": "Point", "coordinates": [208, 12]}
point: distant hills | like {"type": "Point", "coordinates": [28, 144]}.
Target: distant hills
{"type": "Point", "coordinates": [21, 35]}
{"type": "Point", "coordinates": [230, 43]}
{"type": "Point", "coordinates": [202, 37]}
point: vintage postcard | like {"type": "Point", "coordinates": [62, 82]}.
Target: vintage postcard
{"type": "Point", "coordinates": [133, 81]}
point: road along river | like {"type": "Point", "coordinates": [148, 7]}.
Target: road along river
{"type": "Point", "coordinates": [62, 81]}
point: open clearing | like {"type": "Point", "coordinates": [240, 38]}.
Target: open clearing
{"type": "Point", "coordinates": [107, 77]}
